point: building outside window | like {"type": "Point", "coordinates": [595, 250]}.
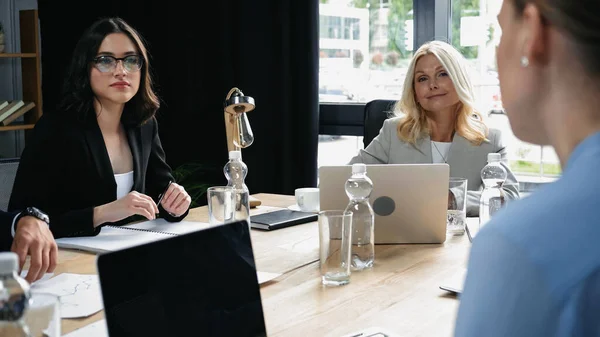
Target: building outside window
{"type": "Point", "coordinates": [379, 49]}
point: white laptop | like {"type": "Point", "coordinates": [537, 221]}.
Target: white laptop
{"type": "Point", "coordinates": [410, 200]}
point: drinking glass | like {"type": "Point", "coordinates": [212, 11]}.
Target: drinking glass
{"type": "Point", "coordinates": [43, 316]}
{"type": "Point", "coordinates": [457, 206]}
{"type": "Point", "coordinates": [221, 204]}
{"type": "Point", "coordinates": [335, 236]}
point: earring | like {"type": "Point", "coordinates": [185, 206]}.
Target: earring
{"type": "Point", "coordinates": [524, 61]}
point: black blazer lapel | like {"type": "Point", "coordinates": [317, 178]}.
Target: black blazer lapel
{"type": "Point", "coordinates": [99, 155]}
{"type": "Point", "coordinates": [134, 137]}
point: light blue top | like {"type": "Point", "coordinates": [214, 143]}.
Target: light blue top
{"type": "Point", "coordinates": [534, 269]}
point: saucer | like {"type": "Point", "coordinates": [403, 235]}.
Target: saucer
{"type": "Point", "coordinates": [295, 207]}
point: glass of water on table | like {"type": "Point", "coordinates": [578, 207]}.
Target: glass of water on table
{"type": "Point", "coordinates": [457, 206]}
{"type": "Point", "coordinates": [335, 236]}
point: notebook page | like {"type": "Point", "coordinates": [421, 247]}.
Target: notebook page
{"type": "Point", "coordinates": [110, 239]}
{"type": "Point", "coordinates": [172, 228]}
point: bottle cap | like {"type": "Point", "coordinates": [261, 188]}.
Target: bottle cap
{"type": "Point", "coordinates": [493, 157]}
{"type": "Point", "coordinates": [359, 168]}
{"type": "Point", "coordinates": [9, 262]}
{"type": "Point", "coordinates": [235, 154]}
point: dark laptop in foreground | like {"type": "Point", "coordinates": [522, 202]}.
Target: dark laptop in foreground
{"type": "Point", "coordinates": [199, 284]}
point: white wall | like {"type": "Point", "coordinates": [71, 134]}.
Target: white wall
{"type": "Point", "coordinates": [11, 142]}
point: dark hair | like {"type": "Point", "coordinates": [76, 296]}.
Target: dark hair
{"type": "Point", "coordinates": [78, 97]}
{"type": "Point", "coordinates": [577, 18]}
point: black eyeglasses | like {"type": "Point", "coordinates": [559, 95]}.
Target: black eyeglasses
{"type": "Point", "coordinates": [107, 63]}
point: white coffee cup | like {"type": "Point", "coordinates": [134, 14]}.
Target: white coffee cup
{"type": "Point", "coordinates": [307, 199]}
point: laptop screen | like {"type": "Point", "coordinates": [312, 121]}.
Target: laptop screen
{"type": "Point", "coordinates": [198, 284]}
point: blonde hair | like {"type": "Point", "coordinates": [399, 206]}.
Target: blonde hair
{"type": "Point", "coordinates": [469, 122]}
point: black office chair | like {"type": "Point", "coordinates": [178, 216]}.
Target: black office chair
{"type": "Point", "coordinates": [8, 172]}
{"type": "Point", "coordinates": [376, 112]}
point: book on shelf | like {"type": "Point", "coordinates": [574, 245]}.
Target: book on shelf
{"type": "Point", "coordinates": [18, 113]}
{"type": "Point", "coordinates": [10, 108]}
{"type": "Point", "coordinates": [3, 104]}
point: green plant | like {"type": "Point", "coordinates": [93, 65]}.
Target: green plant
{"type": "Point", "coordinates": [522, 153]}
{"type": "Point", "coordinates": [522, 166]}
{"type": "Point", "coordinates": [196, 178]}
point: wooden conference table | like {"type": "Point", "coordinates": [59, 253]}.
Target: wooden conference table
{"type": "Point", "coordinates": [401, 293]}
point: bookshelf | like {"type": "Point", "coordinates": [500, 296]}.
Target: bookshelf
{"type": "Point", "coordinates": [30, 68]}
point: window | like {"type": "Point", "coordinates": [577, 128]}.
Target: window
{"type": "Point", "coordinates": [338, 150]}
{"type": "Point", "coordinates": [365, 47]}
{"type": "Point", "coordinates": [476, 33]}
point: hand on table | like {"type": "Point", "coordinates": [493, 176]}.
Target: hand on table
{"type": "Point", "coordinates": [34, 238]}
{"type": "Point", "coordinates": [131, 204]}
{"type": "Point", "coordinates": [176, 200]}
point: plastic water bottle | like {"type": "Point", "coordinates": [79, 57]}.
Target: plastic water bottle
{"type": "Point", "coordinates": [492, 198]}
{"type": "Point", "coordinates": [358, 188]}
{"type": "Point", "coordinates": [14, 297]}
{"type": "Point", "coordinates": [235, 171]}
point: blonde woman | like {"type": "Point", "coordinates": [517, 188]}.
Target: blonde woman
{"type": "Point", "coordinates": [436, 122]}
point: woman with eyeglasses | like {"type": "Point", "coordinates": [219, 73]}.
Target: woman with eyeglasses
{"type": "Point", "coordinates": [99, 160]}
{"type": "Point", "coordinates": [534, 269]}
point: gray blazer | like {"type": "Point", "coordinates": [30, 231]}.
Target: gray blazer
{"type": "Point", "coordinates": [465, 159]}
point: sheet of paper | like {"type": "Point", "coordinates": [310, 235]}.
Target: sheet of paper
{"type": "Point", "coordinates": [264, 276]}
{"type": "Point", "coordinates": [79, 294]}
{"type": "Point", "coordinates": [163, 226]}
{"type": "Point", "coordinates": [46, 276]}
{"type": "Point", "coordinates": [96, 329]}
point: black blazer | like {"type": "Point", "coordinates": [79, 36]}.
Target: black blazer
{"type": "Point", "coordinates": [65, 171]}
{"type": "Point", "coordinates": [6, 221]}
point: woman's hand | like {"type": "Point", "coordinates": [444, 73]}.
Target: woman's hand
{"type": "Point", "coordinates": [176, 200]}
{"type": "Point", "coordinates": [132, 203]}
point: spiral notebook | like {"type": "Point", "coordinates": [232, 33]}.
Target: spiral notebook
{"type": "Point", "coordinates": [113, 238]}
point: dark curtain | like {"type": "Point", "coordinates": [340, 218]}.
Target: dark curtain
{"type": "Point", "coordinates": [267, 48]}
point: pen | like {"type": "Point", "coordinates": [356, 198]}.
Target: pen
{"type": "Point", "coordinates": [160, 197]}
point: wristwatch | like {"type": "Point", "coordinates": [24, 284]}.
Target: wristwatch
{"type": "Point", "coordinates": [32, 211]}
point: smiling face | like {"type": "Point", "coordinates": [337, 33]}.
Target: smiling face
{"type": "Point", "coordinates": [434, 90]}
{"type": "Point", "coordinates": [117, 85]}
